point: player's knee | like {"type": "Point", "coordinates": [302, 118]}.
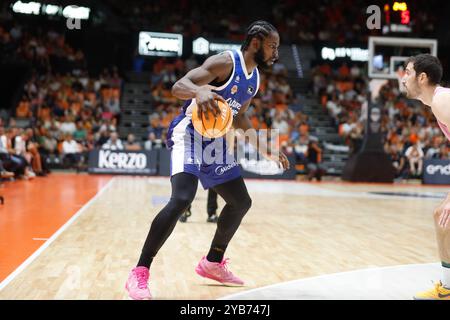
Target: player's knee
{"type": "Point", "coordinates": [245, 204]}
{"type": "Point", "coordinates": [241, 204]}
{"type": "Point", "coordinates": [180, 203]}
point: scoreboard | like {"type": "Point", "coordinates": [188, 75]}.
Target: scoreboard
{"type": "Point", "coordinates": [397, 16]}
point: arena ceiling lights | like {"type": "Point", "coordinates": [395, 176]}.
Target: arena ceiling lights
{"type": "Point", "coordinates": [36, 8]}
{"type": "Point", "coordinates": [160, 44]}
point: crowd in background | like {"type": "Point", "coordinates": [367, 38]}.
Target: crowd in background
{"type": "Point", "coordinates": [63, 112]}
{"type": "Point", "coordinates": [67, 113]}
{"type": "Point", "coordinates": [71, 114]}
{"type": "Point", "coordinates": [409, 129]}
{"type": "Point", "coordinates": [297, 21]}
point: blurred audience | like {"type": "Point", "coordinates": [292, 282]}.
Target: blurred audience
{"type": "Point", "coordinates": [114, 143]}
{"type": "Point", "coordinates": [314, 158]}
{"type": "Point", "coordinates": [410, 132]}
{"type": "Point", "coordinates": [131, 144]}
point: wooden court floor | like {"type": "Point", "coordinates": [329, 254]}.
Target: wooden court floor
{"type": "Point", "coordinates": [34, 210]}
{"type": "Point", "coordinates": [294, 230]}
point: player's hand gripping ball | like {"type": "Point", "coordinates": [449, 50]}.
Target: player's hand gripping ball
{"type": "Point", "coordinates": [210, 125]}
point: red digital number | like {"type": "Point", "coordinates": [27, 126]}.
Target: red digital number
{"type": "Point", "coordinates": [405, 17]}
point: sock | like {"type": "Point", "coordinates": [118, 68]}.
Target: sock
{"type": "Point", "coordinates": [144, 262]}
{"type": "Point", "coordinates": [446, 275]}
{"type": "Point", "coordinates": [215, 254]}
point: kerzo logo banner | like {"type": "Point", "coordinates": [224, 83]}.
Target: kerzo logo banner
{"type": "Point", "coordinates": [122, 162]}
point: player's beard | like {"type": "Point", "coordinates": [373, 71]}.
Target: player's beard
{"type": "Point", "coordinates": [259, 59]}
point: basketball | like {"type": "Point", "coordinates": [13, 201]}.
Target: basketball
{"type": "Point", "coordinates": [213, 127]}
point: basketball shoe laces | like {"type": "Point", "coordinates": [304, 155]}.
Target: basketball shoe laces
{"type": "Point", "coordinates": [141, 276]}
{"type": "Point", "coordinates": [223, 269]}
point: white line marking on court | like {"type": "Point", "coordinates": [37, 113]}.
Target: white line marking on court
{"type": "Point", "coordinates": [236, 295]}
{"type": "Point", "coordinates": [30, 259]}
{"type": "Point", "coordinates": [40, 239]}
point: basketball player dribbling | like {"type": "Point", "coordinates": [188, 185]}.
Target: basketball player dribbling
{"type": "Point", "coordinates": [421, 81]}
{"type": "Point", "coordinates": [232, 77]}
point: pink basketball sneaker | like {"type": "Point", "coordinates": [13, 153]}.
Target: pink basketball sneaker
{"type": "Point", "coordinates": [137, 284]}
{"type": "Point", "coordinates": [217, 271]}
